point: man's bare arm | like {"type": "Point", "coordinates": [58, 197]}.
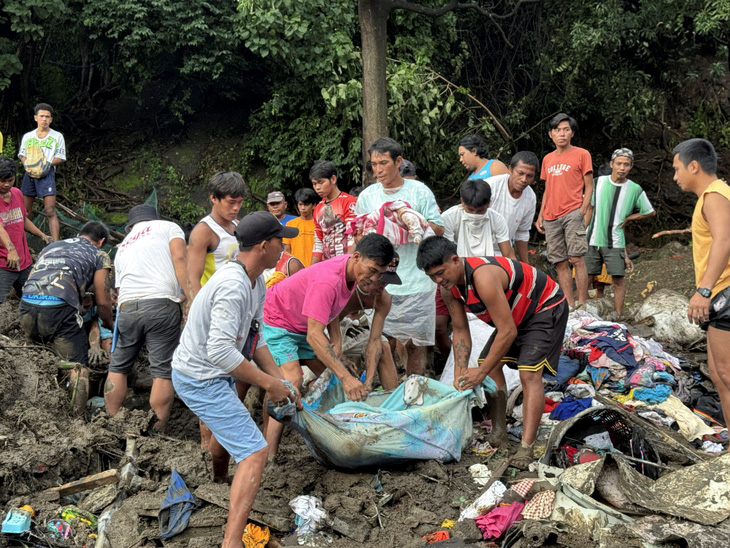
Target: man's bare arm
{"type": "Point", "coordinates": [103, 295]}
{"type": "Point", "coordinates": [521, 249]}
{"type": "Point", "coordinates": [461, 343]}
{"type": "Point", "coordinates": [325, 350]}
{"type": "Point", "coordinates": [180, 261]}
{"type": "Point", "coordinates": [202, 240]}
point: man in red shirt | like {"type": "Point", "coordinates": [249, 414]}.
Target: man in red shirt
{"type": "Point", "coordinates": [528, 311]}
{"type": "Point", "coordinates": [15, 260]}
{"type": "Point", "coordinates": [566, 206]}
{"type": "Point", "coordinates": [332, 214]}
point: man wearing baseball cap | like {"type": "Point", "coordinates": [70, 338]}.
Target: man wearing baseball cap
{"type": "Point", "coordinates": [614, 201]}
{"type": "Point", "coordinates": [219, 344]}
{"type": "Point", "coordinates": [152, 275]}
{"type": "Point", "coordinates": [370, 303]}
{"type": "Point", "coordinates": [276, 204]}
{"type": "Point", "coordinates": [299, 309]}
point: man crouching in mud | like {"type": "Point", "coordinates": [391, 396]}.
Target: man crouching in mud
{"type": "Point", "coordinates": [216, 348]}
{"type": "Point", "coordinates": [528, 311]}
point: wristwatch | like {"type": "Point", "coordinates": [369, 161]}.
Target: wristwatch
{"type": "Point", "coordinates": [704, 292]}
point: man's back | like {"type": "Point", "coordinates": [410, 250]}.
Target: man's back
{"type": "Point", "coordinates": [64, 270]}
{"type": "Point", "coordinates": [143, 264]}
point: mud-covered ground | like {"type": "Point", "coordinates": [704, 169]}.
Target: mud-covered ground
{"type": "Point", "coordinates": [43, 445]}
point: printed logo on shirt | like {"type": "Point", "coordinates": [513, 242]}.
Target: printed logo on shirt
{"type": "Point", "coordinates": [130, 241]}
{"type": "Point", "coordinates": [11, 216]}
{"type": "Point", "coordinates": [48, 142]}
{"type": "Point", "coordinates": [559, 169]}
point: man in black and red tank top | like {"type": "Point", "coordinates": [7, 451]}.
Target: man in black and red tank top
{"type": "Point", "coordinates": [529, 313]}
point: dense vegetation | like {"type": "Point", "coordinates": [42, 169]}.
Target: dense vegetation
{"type": "Point", "coordinates": [641, 73]}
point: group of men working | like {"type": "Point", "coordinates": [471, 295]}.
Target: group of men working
{"type": "Point", "coordinates": [239, 333]}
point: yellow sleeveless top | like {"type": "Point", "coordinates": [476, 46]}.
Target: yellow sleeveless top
{"type": "Point", "coordinates": [225, 251]}
{"type": "Point", "coordinates": [702, 239]}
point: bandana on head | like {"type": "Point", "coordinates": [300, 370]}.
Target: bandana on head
{"type": "Point", "coordinates": [626, 152]}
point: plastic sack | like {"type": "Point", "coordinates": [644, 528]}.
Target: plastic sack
{"type": "Point", "coordinates": [310, 514]}
{"type": "Point", "coordinates": [422, 419]}
{"type": "Point", "coordinates": [176, 508]}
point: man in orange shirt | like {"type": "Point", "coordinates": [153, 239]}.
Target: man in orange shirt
{"type": "Point", "coordinates": [695, 170]}
{"type": "Point", "coordinates": [566, 206]}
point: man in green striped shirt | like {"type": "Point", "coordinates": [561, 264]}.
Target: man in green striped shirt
{"type": "Point", "coordinates": [615, 201]}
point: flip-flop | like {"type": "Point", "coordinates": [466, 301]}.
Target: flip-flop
{"type": "Point", "coordinates": [176, 508]}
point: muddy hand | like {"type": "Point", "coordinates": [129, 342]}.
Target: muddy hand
{"type": "Point", "coordinates": [98, 356]}
{"type": "Point", "coordinates": [13, 259]}
{"type": "Point", "coordinates": [278, 392]}
{"type": "Point", "coordinates": [354, 389]}
{"type": "Point", "coordinates": [473, 377]}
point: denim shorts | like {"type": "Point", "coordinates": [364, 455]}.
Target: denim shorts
{"type": "Point", "coordinates": [286, 346]}
{"type": "Point", "coordinates": [216, 403]}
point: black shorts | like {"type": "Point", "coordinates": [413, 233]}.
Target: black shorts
{"type": "Point", "coordinates": [538, 342]}
{"type": "Point", "coordinates": [58, 326]}
{"type": "Point", "coordinates": [719, 311]}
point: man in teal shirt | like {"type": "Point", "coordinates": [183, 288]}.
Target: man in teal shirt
{"type": "Point", "coordinates": [412, 318]}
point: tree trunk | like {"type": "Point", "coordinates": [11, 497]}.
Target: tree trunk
{"type": "Point", "coordinates": [373, 16]}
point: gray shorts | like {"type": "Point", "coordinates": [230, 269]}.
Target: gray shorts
{"type": "Point", "coordinates": [613, 257]}
{"type": "Point", "coordinates": [566, 237]}
{"type": "Point", "coordinates": [154, 323]}
{"type": "Point", "coordinates": [13, 279]}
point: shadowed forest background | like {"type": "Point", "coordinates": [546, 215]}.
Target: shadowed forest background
{"type": "Point", "coordinates": [164, 93]}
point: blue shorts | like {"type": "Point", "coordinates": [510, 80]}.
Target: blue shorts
{"type": "Point", "coordinates": [45, 186]}
{"type": "Point", "coordinates": [216, 403]}
{"type": "Point", "coordinates": [286, 346]}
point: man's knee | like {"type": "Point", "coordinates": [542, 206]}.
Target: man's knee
{"type": "Point", "coordinates": [50, 210]}
{"type": "Point", "coordinates": [576, 261]}
{"type": "Point", "coordinates": [531, 380]}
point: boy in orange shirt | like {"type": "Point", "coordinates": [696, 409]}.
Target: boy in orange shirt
{"type": "Point", "coordinates": [301, 246]}
{"type": "Point", "coordinates": [566, 206]}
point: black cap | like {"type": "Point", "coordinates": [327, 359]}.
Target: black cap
{"type": "Point", "coordinates": [407, 169]}
{"type": "Point", "coordinates": [258, 226]}
{"type": "Point", "coordinates": [139, 213]}
{"type": "Point", "coordinates": [389, 276]}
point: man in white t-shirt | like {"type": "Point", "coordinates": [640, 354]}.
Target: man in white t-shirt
{"type": "Point", "coordinates": [515, 200]}
{"type": "Point", "coordinates": [151, 272]}
{"type": "Point", "coordinates": [41, 150]}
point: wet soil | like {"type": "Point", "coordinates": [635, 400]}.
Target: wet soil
{"type": "Point", "coordinates": [42, 445]}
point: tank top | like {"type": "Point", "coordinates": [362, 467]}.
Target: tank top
{"type": "Point", "coordinates": [529, 291]}
{"type": "Point", "coordinates": [281, 270]}
{"type": "Point", "coordinates": [702, 239]}
{"type": "Point", "coordinates": [225, 251]}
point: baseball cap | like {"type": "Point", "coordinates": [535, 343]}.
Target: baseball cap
{"type": "Point", "coordinates": [389, 276]}
{"type": "Point", "coordinates": [275, 196]}
{"type": "Point", "coordinates": [139, 213]}
{"type": "Point", "coordinates": [258, 226]}
{"type": "Point", "coordinates": [407, 169]}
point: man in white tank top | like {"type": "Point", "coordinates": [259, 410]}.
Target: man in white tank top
{"type": "Point", "coordinates": [212, 242]}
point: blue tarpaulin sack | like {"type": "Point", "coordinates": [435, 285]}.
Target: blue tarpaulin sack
{"type": "Point", "coordinates": [176, 508]}
{"type": "Point", "coordinates": [421, 419]}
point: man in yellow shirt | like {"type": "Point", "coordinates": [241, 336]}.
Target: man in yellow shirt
{"type": "Point", "coordinates": [301, 246]}
{"type": "Point", "coordinates": [695, 170]}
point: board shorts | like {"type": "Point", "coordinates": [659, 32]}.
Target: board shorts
{"type": "Point", "coordinates": [538, 343]}
{"type": "Point", "coordinates": [154, 323]}
{"type": "Point", "coordinates": [719, 311]}
{"type": "Point", "coordinates": [45, 186]}
{"type": "Point", "coordinates": [565, 237]}
{"type": "Point", "coordinates": [286, 346]}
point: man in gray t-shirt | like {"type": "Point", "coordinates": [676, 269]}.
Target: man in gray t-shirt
{"type": "Point", "coordinates": [216, 348]}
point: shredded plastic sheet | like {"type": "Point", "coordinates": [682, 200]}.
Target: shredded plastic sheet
{"type": "Point", "coordinates": [422, 419]}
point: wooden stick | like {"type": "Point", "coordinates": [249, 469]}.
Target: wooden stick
{"type": "Point", "coordinates": [678, 231]}
{"type": "Point", "coordinates": [83, 484]}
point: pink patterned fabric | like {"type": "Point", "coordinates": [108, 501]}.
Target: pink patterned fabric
{"type": "Point", "coordinates": [496, 522]}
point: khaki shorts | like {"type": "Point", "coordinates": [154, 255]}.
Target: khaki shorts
{"type": "Point", "coordinates": [566, 237]}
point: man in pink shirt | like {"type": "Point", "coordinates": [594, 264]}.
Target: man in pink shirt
{"type": "Point", "coordinates": [566, 206]}
{"type": "Point", "coordinates": [15, 260]}
{"type": "Point", "coordinates": [298, 309]}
